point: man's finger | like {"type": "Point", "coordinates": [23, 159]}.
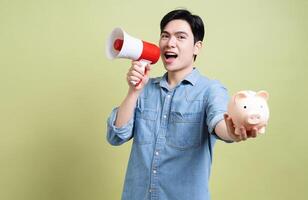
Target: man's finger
{"type": "Point", "coordinates": [254, 132]}
{"type": "Point", "coordinates": [137, 66]}
{"type": "Point", "coordinates": [229, 123]}
{"type": "Point", "coordinates": [243, 133]}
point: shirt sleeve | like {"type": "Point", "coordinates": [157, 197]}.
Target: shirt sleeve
{"type": "Point", "coordinates": [217, 101]}
{"type": "Point", "coordinates": [118, 135]}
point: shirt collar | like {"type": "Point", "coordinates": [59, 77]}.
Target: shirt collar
{"type": "Point", "coordinates": [191, 78]}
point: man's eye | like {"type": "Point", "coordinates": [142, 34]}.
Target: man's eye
{"type": "Point", "coordinates": [181, 37]}
{"type": "Point", "coordinates": [164, 36]}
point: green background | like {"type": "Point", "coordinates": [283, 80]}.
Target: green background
{"type": "Point", "coordinates": [58, 88]}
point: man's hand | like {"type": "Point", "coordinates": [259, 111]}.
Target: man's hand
{"type": "Point", "coordinates": [243, 135]}
{"type": "Point", "coordinates": [137, 73]}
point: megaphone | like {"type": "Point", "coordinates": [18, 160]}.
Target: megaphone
{"type": "Point", "coordinates": [122, 45]}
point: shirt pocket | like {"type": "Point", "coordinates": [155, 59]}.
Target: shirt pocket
{"type": "Point", "coordinates": [145, 126]}
{"type": "Point", "coordinates": [184, 131]}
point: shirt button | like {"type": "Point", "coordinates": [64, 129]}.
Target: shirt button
{"type": "Point", "coordinates": [168, 96]}
{"type": "Point", "coordinates": [156, 153]}
{"type": "Point", "coordinates": [154, 171]}
{"type": "Point", "coordinates": [165, 116]}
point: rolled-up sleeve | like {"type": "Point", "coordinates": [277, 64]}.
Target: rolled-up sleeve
{"type": "Point", "coordinates": [118, 135]}
{"type": "Point", "coordinates": [216, 105]}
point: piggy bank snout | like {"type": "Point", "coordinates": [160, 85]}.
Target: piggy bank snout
{"type": "Point", "coordinates": [254, 118]}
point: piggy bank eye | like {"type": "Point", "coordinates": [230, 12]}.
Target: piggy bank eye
{"type": "Point", "coordinates": [245, 107]}
{"type": "Point", "coordinates": [261, 106]}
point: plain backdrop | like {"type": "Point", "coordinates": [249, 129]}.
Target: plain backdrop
{"type": "Point", "coordinates": [57, 89]}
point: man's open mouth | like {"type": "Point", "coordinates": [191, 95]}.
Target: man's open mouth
{"type": "Point", "coordinates": [170, 55]}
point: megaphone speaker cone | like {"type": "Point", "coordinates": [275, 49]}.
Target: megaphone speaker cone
{"type": "Point", "coordinates": [117, 45]}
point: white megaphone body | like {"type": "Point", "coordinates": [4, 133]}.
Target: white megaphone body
{"type": "Point", "coordinates": [122, 45]}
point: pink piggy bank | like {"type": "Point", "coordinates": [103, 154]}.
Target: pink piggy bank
{"type": "Point", "coordinates": [249, 109]}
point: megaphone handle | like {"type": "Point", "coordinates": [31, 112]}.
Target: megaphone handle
{"type": "Point", "coordinates": [143, 65]}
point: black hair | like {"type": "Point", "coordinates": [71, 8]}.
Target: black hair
{"type": "Point", "coordinates": [194, 21]}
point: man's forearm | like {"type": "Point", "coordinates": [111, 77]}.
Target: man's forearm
{"type": "Point", "coordinates": [222, 132]}
{"type": "Point", "coordinates": [126, 109]}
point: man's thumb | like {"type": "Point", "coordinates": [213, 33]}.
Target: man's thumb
{"type": "Point", "coordinates": [147, 69]}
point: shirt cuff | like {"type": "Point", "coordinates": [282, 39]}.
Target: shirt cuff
{"type": "Point", "coordinates": [124, 131]}
{"type": "Point", "coordinates": [213, 124]}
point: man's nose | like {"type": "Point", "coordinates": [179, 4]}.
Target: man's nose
{"type": "Point", "coordinates": [171, 42]}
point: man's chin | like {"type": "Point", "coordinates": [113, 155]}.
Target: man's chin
{"type": "Point", "coordinates": [172, 69]}
{"type": "Point", "coordinates": [169, 67]}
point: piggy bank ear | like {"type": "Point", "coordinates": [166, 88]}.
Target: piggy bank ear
{"type": "Point", "coordinates": [239, 95]}
{"type": "Point", "coordinates": [263, 94]}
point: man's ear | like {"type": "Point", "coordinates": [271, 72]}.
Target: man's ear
{"type": "Point", "coordinates": [197, 48]}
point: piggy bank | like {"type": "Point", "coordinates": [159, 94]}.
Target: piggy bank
{"type": "Point", "coordinates": [249, 109]}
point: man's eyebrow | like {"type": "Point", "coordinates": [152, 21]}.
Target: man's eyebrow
{"type": "Point", "coordinates": [164, 32]}
{"type": "Point", "coordinates": [176, 33]}
{"type": "Point", "coordinates": [181, 32]}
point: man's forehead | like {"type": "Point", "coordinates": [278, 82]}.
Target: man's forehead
{"type": "Point", "coordinates": [177, 26]}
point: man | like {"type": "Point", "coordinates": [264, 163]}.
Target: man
{"type": "Point", "coordinates": [174, 119]}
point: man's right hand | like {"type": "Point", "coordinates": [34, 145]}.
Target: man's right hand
{"type": "Point", "coordinates": [137, 73]}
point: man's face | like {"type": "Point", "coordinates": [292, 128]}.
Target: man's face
{"type": "Point", "coordinates": [177, 45]}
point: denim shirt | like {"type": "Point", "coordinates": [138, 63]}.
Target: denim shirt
{"type": "Point", "coordinates": [173, 138]}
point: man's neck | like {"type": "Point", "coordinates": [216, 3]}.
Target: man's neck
{"type": "Point", "coordinates": [177, 76]}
